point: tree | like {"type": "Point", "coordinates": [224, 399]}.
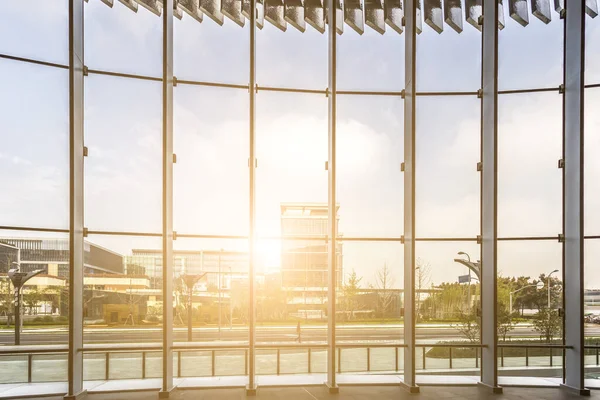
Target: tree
{"type": "Point", "coordinates": [32, 298]}
{"type": "Point", "coordinates": [548, 323]}
{"type": "Point", "coordinates": [350, 292]}
{"type": "Point", "coordinates": [384, 282]}
{"type": "Point", "coordinates": [422, 279]}
{"type": "Point", "coordinates": [469, 324]}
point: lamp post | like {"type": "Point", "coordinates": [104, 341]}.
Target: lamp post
{"type": "Point", "coordinates": [219, 288]}
{"type": "Point", "coordinates": [18, 279]}
{"type": "Point", "coordinates": [539, 285]}
{"type": "Point", "coordinates": [548, 284]}
{"type": "Point", "coordinates": [462, 253]}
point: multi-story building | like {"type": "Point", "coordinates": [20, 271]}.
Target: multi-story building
{"type": "Point", "coordinates": [52, 256]}
{"type": "Point", "coordinates": [304, 265]}
{"type": "Point", "coordinates": [233, 265]}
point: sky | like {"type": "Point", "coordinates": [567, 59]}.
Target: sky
{"type": "Point", "coordinates": [123, 134]}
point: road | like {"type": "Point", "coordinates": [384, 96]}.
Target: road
{"type": "Point", "coordinates": [266, 334]}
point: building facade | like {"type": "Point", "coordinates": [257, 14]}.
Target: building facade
{"type": "Point", "coordinates": [304, 264]}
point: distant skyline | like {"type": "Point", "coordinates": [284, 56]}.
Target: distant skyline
{"type": "Point", "coordinates": [123, 133]}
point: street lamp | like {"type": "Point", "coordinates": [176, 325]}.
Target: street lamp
{"type": "Point", "coordinates": [539, 285]}
{"type": "Point", "coordinates": [462, 253]}
{"type": "Point", "coordinates": [219, 284]}
{"type": "Point", "coordinates": [548, 284]}
{"type": "Point", "coordinates": [18, 280]}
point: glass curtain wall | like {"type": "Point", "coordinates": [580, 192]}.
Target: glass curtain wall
{"type": "Point", "coordinates": [123, 255]}
{"type": "Point", "coordinates": [530, 217]}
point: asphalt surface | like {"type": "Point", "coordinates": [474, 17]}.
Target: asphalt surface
{"type": "Point", "coordinates": [265, 334]}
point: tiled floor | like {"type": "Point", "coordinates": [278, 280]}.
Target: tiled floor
{"type": "Point", "coordinates": [349, 393]}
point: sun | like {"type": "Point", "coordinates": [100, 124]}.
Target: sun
{"type": "Point", "coordinates": [269, 253]}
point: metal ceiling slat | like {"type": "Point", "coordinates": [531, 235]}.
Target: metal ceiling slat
{"type": "Point", "coordinates": [517, 10]}
{"type": "Point", "coordinates": [473, 10]}
{"type": "Point", "coordinates": [591, 8]}
{"type": "Point", "coordinates": [232, 9]}
{"type": "Point", "coordinates": [177, 13]}
{"type": "Point", "coordinates": [274, 13]}
{"type": "Point", "coordinates": [314, 14]}
{"type": "Point", "coordinates": [109, 3]}
{"type": "Point", "coordinates": [339, 20]}
{"type": "Point", "coordinates": [260, 12]}
{"type": "Point", "coordinates": [212, 8]}
{"type": "Point", "coordinates": [294, 14]}
{"type": "Point", "coordinates": [419, 20]}
{"type": "Point", "coordinates": [501, 21]}
{"type": "Point", "coordinates": [541, 10]}
{"type": "Point", "coordinates": [151, 5]}
{"type": "Point", "coordinates": [192, 8]}
{"type": "Point", "coordinates": [394, 12]}
{"type": "Point", "coordinates": [353, 15]}
{"type": "Point", "coordinates": [131, 4]}
{"type": "Point", "coordinates": [433, 15]}
{"type": "Point", "coordinates": [559, 6]}
{"type": "Point", "coordinates": [374, 15]}
{"type": "Point", "coordinates": [453, 15]}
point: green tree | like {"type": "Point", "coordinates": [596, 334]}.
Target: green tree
{"type": "Point", "coordinates": [548, 323]}
{"type": "Point", "coordinates": [32, 297]}
{"type": "Point", "coordinates": [350, 292]}
{"type": "Point", "coordinates": [469, 324]}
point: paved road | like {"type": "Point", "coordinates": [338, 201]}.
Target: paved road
{"type": "Point", "coordinates": [310, 333]}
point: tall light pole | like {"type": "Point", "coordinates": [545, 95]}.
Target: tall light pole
{"type": "Point", "coordinates": [462, 253]}
{"type": "Point", "coordinates": [219, 284]}
{"type": "Point", "coordinates": [18, 279]}
{"type": "Point", "coordinates": [539, 285]}
{"type": "Point", "coordinates": [549, 284]}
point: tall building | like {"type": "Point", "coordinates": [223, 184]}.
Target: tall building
{"type": "Point", "coordinates": [232, 264]}
{"type": "Point", "coordinates": [304, 265]}
{"type": "Point", "coordinates": [52, 256]}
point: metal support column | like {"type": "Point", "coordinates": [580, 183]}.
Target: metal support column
{"type": "Point", "coordinates": [167, 200]}
{"type": "Point", "coordinates": [332, 218]}
{"type": "Point", "coordinates": [410, 83]}
{"type": "Point", "coordinates": [252, 162]}
{"type": "Point", "coordinates": [76, 61]}
{"type": "Point", "coordinates": [573, 102]}
{"type": "Point", "coordinates": [489, 196]}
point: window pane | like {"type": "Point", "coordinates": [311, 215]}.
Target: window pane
{"type": "Point", "coordinates": [447, 152]}
{"type": "Point", "coordinates": [209, 52]}
{"type": "Point", "coordinates": [291, 147]}
{"type": "Point", "coordinates": [123, 172]}
{"type": "Point", "coordinates": [118, 39]}
{"type": "Point", "coordinates": [446, 62]}
{"type": "Point", "coordinates": [38, 29]}
{"type": "Point", "coordinates": [291, 59]}
{"type": "Point", "coordinates": [591, 175]}
{"type": "Point", "coordinates": [34, 155]}
{"type": "Point", "coordinates": [211, 187]}
{"type": "Point", "coordinates": [371, 61]}
{"type": "Point", "coordinates": [370, 149]}
{"type": "Point", "coordinates": [529, 180]}
{"type": "Point", "coordinates": [530, 57]}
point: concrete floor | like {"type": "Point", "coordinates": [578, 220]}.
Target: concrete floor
{"type": "Point", "coordinates": [349, 393]}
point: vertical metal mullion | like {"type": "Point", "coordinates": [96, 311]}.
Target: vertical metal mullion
{"type": "Point", "coordinates": [332, 217]}
{"type": "Point", "coordinates": [573, 218]}
{"type": "Point", "coordinates": [489, 196]}
{"type": "Point", "coordinates": [76, 85]}
{"type": "Point", "coordinates": [167, 199]}
{"type": "Point", "coordinates": [410, 104]}
{"type": "Point", "coordinates": [251, 388]}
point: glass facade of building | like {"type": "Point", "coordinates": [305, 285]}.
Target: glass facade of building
{"type": "Point", "coordinates": [325, 189]}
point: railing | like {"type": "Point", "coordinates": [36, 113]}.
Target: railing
{"type": "Point", "coordinates": [141, 361]}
